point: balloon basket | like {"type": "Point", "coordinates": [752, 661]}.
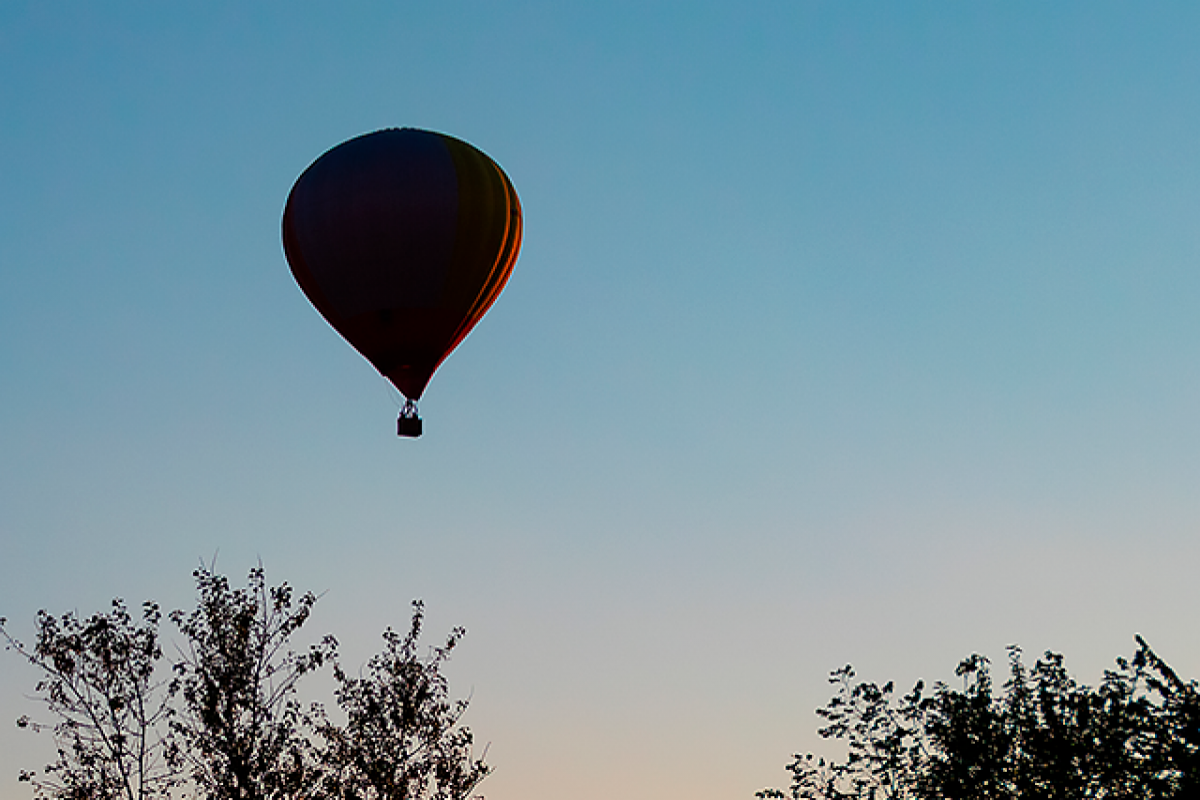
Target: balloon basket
{"type": "Point", "coordinates": [408, 424]}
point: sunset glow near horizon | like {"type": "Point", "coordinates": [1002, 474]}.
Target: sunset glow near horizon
{"type": "Point", "coordinates": [861, 333]}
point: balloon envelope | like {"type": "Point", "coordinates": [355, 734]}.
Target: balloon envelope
{"type": "Point", "coordinates": [402, 239]}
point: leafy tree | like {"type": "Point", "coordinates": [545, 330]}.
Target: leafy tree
{"type": "Point", "coordinates": [222, 721]}
{"type": "Point", "coordinates": [98, 680]}
{"type": "Point", "coordinates": [239, 722]}
{"type": "Point", "coordinates": [401, 739]}
{"type": "Point", "coordinates": [1137, 735]}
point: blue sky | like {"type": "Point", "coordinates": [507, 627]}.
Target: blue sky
{"type": "Point", "coordinates": [841, 332]}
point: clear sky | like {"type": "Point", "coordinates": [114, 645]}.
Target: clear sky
{"type": "Point", "coordinates": [842, 332]}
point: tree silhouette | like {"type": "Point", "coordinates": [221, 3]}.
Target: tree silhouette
{"type": "Point", "coordinates": [221, 721]}
{"type": "Point", "coordinates": [98, 681]}
{"type": "Point", "coordinates": [401, 739]}
{"type": "Point", "coordinates": [1137, 735]}
{"type": "Point", "coordinates": [239, 724]}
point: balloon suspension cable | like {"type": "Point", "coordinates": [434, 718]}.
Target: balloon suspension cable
{"type": "Point", "coordinates": [393, 393]}
{"type": "Point", "coordinates": [409, 424]}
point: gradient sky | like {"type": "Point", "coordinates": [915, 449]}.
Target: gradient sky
{"type": "Point", "coordinates": [842, 332]}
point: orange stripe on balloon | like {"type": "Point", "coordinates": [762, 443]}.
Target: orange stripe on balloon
{"type": "Point", "coordinates": [503, 265]}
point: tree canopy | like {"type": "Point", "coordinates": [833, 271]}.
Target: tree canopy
{"type": "Point", "coordinates": [1043, 735]}
{"type": "Point", "coordinates": [221, 719]}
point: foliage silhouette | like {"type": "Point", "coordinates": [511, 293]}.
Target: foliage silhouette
{"type": "Point", "coordinates": [401, 738]}
{"type": "Point", "coordinates": [239, 722]}
{"type": "Point", "coordinates": [98, 680]}
{"type": "Point", "coordinates": [222, 721]}
{"type": "Point", "coordinates": [1137, 735]}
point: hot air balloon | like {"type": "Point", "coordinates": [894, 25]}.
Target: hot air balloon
{"type": "Point", "coordinates": [402, 239]}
